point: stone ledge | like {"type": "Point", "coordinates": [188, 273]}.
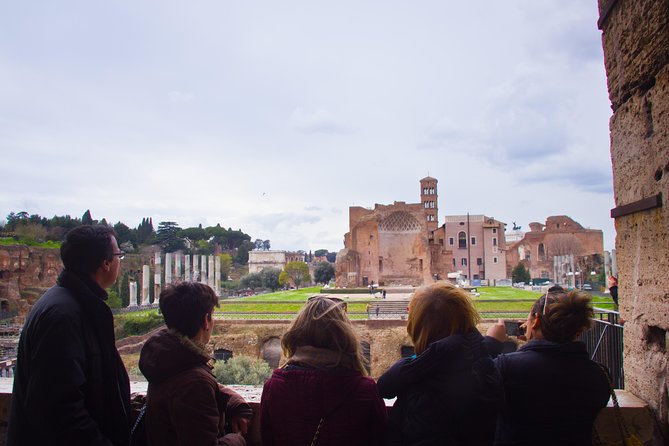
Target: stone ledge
{"type": "Point", "coordinates": [634, 410]}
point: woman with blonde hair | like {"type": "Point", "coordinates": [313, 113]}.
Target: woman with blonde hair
{"type": "Point", "coordinates": [449, 392]}
{"type": "Point", "coordinates": [322, 395]}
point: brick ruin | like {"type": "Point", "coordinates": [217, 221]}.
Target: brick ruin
{"type": "Point", "coordinates": [25, 273]}
{"type": "Point", "coordinates": [394, 244]}
{"type": "Point", "coordinates": [635, 36]}
{"type": "Point", "coordinates": [559, 236]}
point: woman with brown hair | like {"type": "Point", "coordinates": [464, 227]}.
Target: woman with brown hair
{"type": "Point", "coordinates": [322, 395]}
{"type": "Point", "coordinates": [553, 390]}
{"type": "Point", "coordinates": [449, 392]}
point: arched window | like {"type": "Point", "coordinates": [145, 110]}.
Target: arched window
{"type": "Point", "coordinates": [462, 239]}
{"type": "Point", "coordinates": [222, 354]}
{"type": "Point", "coordinates": [542, 252]}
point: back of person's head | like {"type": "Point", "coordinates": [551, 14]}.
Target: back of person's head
{"type": "Point", "coordinates": [185, 305]}
{"type": "Point", "coordinates": [564, 315]}
{"type": "Point", "coordinates": [323, 323]}
{"type": "Point", "coordinates": [556, 289]}
{"type": "Point", "coordinates": [437, 311]}
{"type": "Point", "coordinates": [86, 247]}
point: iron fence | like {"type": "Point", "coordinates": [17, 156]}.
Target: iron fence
{"type": "Point", "coordinates": [604, 342]}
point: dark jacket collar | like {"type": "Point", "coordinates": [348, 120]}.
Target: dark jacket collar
{"type": "Point", "coordinates": [81, 283]}
{"type": "Point", "coordinates": [168, 353]}
{"type": "Point", "coordinates": [567, 348]}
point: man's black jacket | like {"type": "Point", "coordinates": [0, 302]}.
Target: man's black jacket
{"type": "Point", "coordinates": [70, 385]}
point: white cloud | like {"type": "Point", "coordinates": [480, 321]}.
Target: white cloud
{"type": "Point", "coordinates": [316, 121]}
{"type": "Point", "coordinates": [514, 108]}
{"type": "Point", "coordinates": [178, 97]}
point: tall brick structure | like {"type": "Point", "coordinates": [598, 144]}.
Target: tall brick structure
{"type": "Point", "coordinates": [394, 244]}
{"type": "Point", "coordinates": [635, 35]}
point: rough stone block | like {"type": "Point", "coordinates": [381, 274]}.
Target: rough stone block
{"type": "Point", "coordinates": [636, 45]}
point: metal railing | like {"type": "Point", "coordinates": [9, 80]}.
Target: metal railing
{"type": "Point", "coordinates": [604, 342]}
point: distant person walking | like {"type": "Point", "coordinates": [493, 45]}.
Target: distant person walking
{"type": "Point", "coordinates": [71, 387]}
{"type": "Point", "coordinates": [612, 283]}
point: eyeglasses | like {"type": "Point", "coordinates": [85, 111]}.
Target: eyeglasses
{"type": "Point", "coordinates": [120, 254]}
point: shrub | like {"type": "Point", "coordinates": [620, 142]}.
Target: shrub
{"type": "Point", "coordinates": [242, 370]}
{"type": "Point", "coordinates": [113, 299]}
{"type": "Point", "coordinates": [140, 323]}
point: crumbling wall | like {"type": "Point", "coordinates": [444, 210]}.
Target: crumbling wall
{"type": "Point", "coordinates": [25, 273]}
{"type": "Point", "coordinates": [636, 50]}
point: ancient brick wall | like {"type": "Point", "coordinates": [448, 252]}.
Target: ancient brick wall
{"type": "Point", "coordinates": [249, 338]}
{"type": "Point", "coordinates": [559, 236]}
{"type": "Point", "coordinates": [25, 273]}
{"type": "Point", "coordinates": [635, 35]}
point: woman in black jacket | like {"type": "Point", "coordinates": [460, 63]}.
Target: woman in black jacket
{"type": "Point", "coordinates": [553, 390]}
{"type": "Point", "coordinates": [449, 392]}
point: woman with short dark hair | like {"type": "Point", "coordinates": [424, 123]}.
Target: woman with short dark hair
{"type": "Point", "coordinates": [553, 390]}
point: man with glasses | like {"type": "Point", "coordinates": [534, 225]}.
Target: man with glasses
{"type": "Point", "coordinates": [70, 385]}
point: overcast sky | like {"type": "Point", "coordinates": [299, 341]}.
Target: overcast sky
{"type": "Point", "coordinates": [276, 116]}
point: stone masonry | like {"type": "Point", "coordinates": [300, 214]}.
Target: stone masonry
{"type": "Point", "coordinates": [635, 36]}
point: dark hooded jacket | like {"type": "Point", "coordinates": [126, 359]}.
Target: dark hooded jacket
{"type": "Point", "coordinates": [296, 398]}
{"type": "Point", "coordinates": [553, 391]}
{"type": "Point", "coordinates": [185, 404]}
{"type": "Point", "coordinates": [70, 385]}
{"type": "Point", "coordinates": [447, 395]}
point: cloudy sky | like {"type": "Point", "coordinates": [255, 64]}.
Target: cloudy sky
{"type": "Point", "coordinates": [275, 117]}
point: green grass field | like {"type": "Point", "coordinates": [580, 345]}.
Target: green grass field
{"type": "Point", "coordinates": [9, 241]}
{"type": "Point", "coordinates": [493, 302]}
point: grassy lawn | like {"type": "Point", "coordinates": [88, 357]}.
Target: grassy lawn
{"type": "Point", "coordinates": [297, 295]}
{"type": "Point", "coordinates": [10, 241]}
{"type": "Point", "coordinates": [278, 302]}
{"type": "Point", "coordinates": [493, 302]}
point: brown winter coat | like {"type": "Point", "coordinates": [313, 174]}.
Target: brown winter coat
{"type": "Point", "coordinates": [186, 406]}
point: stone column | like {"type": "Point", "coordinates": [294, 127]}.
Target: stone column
{"type": "Point", "coordinates": [211, 276]}
{"type": "Point", "coordinates": [187, 274]}
{"type": "Point", "coordinates": [203, 271]}
{"type": "Point", "coordinates": [177, 267]}
{"type": "Point", "coordinates": [168, 268]}
{"type": "Point", "coordinates": [157, 278]}
{"type": "Point", "coordinates": [217, 277]}
{"type": "Point", "coordinates": [132, 291]}
{"type": "Point", "coordinates": [196, 267]}
{"type": "Point", "coordinates": [146, 271]}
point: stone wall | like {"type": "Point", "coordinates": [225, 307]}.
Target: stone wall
{"type": "Point", "coordinates": [251, 338]}
{"type": "Point", "coordinates": [636, 50]}
{"type": "Point", "coordinates": [25, 273]}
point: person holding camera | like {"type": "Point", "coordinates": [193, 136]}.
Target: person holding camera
{"type": "Point", "coordinates": [553, 390]}
{"type": "Point", "coordinates": [450, 391]}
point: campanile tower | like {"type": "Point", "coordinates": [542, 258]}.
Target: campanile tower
{"type": "Point", "coordinates": [428, 198]}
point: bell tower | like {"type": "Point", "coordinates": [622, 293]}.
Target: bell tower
{"type": "Point", "coordinates": [428, 199]}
